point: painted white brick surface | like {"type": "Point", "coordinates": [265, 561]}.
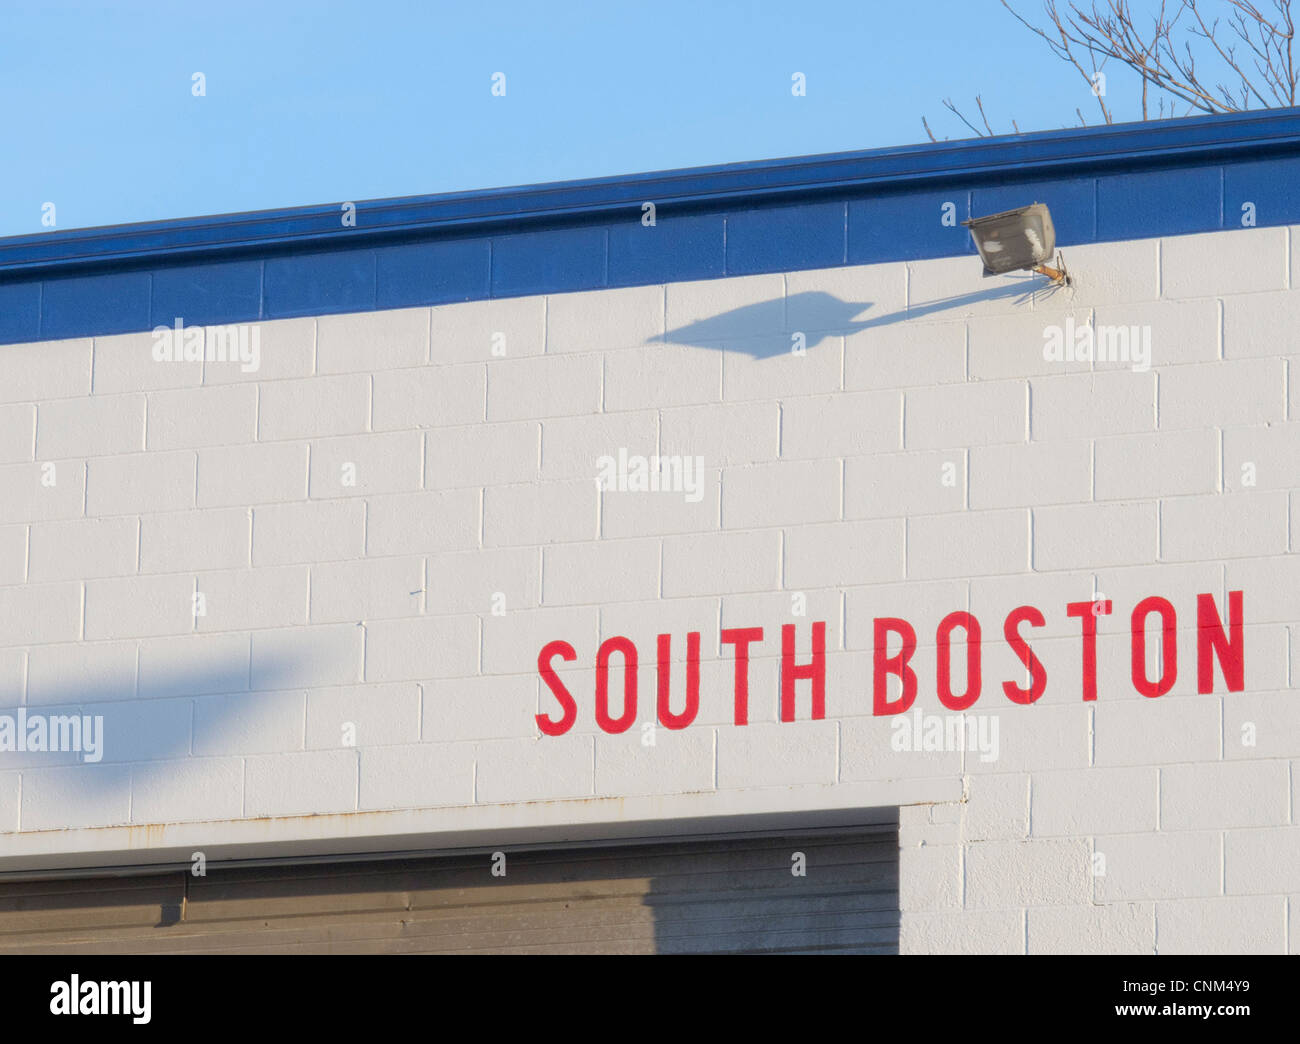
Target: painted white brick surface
{"type": "Point", "coordinates": [249, 475]}
{"type": "Point", "coordinates": [46, 371]}
{"type": "Point", "coordinates": [175, 542]}
{"type": "Point", "coordinates": [288, 351]}
{"type": "Point", "coordinates": [92, 427]}
{"type": "Point", "coordinates": [314, 407]}
{"type": "Point", "coordinates": [337, 529]}
{"type": "Point", "coordinates": [417, 775]}
{"type": "Point", "coordinates": [1085, 405]}
{"type": "Point", "coordinates": [194, 417]}
{"type": "Point", "coordinates": [471, 332]}
{"type": "Point", "coordinates": [83, 549]}
{"type": "Point", "coordinates": [17, 433]}
{"type": "Point", "coordinates": [391, 517]}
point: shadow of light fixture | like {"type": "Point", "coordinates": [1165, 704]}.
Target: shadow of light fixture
{"type": "Point", "coordinates": [1016, 240]}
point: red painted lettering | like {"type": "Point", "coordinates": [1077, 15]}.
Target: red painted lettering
{"type": "Point", "coordinates": [943, 638]}
{"type": "Point", "coordinates": [607, 648]}
{"type": "Point", "coordinates": [1037, 672]}
{"type": "Point", "coordinates": [666, 716]}
{"type": "Point", "coordinates": [568, 705]}
{"type": "Point", "coordinates": [742, 638]}
{"type": "Point", "coordinates": [1211, 639]}
{"type": "Point", "coordinates": [897, 665]}
{"type": "Point", "coordinates": [814, 671]}
{"type": "Point", "coordinates": [1168, 648]}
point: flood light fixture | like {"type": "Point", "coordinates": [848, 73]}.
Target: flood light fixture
{"type": "Point", "coordinates": [1017, 240]}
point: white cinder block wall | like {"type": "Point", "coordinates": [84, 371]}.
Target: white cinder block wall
{"type": "Point", "coordinates": [386, 522]}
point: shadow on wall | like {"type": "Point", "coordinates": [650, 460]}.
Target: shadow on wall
{"type": "Point", "coordinates": [137, 756]}
{"type": "Point", "coordinates": [750, 328]}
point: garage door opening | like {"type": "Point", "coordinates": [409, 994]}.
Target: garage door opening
{"type": "Point", "coordinates": [801, 892]}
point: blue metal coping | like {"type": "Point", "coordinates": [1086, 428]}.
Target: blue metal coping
{"type": "Point", "coordinates": [1103, 184]}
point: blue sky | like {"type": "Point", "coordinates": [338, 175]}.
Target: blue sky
{"type": "Point", "coordinates": [312, 101]}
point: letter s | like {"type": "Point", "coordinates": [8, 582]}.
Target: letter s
{"type": "Point", "coordinates": [570, 707]}
{"type": "Point", "coordinates": [1037, 672]}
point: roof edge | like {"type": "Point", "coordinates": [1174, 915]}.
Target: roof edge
{"type": "Point", "coordinates": [1239, 136]}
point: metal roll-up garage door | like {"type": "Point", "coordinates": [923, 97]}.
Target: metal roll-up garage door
{"type": "Point", "coordinates": [727, 894]}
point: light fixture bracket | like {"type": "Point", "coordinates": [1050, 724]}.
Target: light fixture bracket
{"type": "Point", "coordinates": [1058, 274]}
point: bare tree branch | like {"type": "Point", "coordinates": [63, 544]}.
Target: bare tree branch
{"type": "Point", "coordinates": [947, 104]}
{"type": "Point", "coordinates": [1238, 58]}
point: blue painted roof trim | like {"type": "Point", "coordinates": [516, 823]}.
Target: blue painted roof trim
{"type": "Point", "coordinates": [1120, 182]}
